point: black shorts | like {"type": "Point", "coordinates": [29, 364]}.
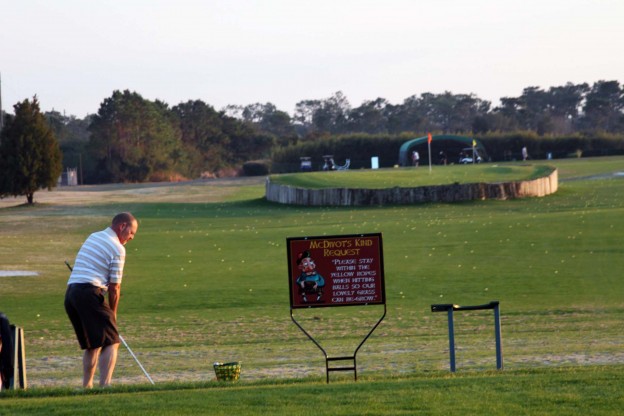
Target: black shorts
{"type": "Point", "coordinates": [93, 321]}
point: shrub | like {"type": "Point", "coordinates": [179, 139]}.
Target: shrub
{"type": "Point", "coordinates": [256, 168]}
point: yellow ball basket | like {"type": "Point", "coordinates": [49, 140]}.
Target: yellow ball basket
{"type": "Point", "coordinates": [227, 371]}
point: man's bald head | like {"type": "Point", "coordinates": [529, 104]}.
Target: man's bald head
{"type": "Point", "coordinates": [123, 218]}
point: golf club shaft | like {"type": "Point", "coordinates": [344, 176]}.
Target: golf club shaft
{"type": "Point", "coordinates": [71, 269]}
{"type": "Point", "coordinates": [136, 359]}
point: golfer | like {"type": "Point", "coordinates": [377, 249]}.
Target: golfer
{"type": "Point", "coordinates": [99, 269]}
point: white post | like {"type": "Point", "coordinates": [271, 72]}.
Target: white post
{"type": "Point", "coordinates": [374, 162]}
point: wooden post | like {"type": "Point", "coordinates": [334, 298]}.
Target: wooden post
{"type": "Point", "coordinates": [19, 359]}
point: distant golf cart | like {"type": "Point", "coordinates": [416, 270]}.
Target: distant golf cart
{"type": "Point", "coordinates": [470, 155]}
{"type": "Point", "coordinates": [306, 164]}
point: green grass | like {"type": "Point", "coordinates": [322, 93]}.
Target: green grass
{"type": "Point", "coordinates": [413, 177]}
{"type": "Point", "coordinates": [206, 281]}
{"type": "Point", "coordinates": [578, 391]}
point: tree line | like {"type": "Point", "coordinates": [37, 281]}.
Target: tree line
{"type": "Point", "coordinates": [134, 139]}
{"type": "Point", "coordinates": [571, 108]}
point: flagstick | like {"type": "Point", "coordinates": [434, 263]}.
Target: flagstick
{"type": "Point", "coordinates": [429, 146]}
{"type": "Point", "coordinates": [429, 139]}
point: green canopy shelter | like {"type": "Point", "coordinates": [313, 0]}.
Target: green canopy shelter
{"type": "Point", "coordinates": [450, 145]}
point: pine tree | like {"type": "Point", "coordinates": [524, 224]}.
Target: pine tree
{"type": "Point", "coordinates": [30, 157]}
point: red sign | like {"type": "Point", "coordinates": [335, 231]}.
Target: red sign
{"type": "Point", "coordinates": [342, 270]}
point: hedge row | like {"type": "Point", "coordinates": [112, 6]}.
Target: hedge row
{"type": "Point", "coordinates": [360, 148]}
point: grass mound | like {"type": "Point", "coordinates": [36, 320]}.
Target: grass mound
{"type": "Point", "coordinates": [414, 177]}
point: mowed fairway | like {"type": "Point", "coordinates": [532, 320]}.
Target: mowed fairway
{"type": "Point", "coordinates": [206, 280]}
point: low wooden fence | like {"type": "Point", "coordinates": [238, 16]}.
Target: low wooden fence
{"type": "Point", "coordinates": [285, 194]}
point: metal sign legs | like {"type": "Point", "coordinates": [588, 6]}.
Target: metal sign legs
{"type": "Point", "coordinates": [329, 360]}
{"type": "Point", "coordinates": [449, 308]}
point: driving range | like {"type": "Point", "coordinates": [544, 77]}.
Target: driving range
{"type": "Point", "coordinates": [206, 280]}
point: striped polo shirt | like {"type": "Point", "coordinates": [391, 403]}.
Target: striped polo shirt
{"type": "Point", "coordinates": [100, 260]}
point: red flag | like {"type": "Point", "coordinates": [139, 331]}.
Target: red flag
{"type": "Point", "coordinates": [429, 138]}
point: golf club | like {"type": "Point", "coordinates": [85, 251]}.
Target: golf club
{"type": "Point", "coordinates": [135, 358]}
{"type": "Point", "coordinates": [71, 269]}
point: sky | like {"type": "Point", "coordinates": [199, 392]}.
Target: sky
{"type": "Point", "coordinates": [72, 54]}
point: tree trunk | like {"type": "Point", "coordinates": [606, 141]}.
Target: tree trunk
{"type": "Point", "coordinates": [29, 198]}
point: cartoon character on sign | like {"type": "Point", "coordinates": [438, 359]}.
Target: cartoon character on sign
{"type": "Point", "coordinates": [310, 282]}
